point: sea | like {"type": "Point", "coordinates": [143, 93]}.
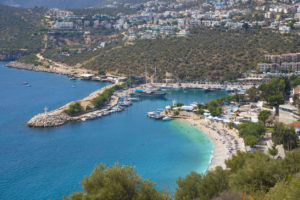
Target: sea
{"type": "Point", "coordinates": [47, 163]}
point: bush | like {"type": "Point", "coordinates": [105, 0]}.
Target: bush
{"type": "Point", "coordinates": [74, 108]}
{"type": "Point", "coordinates": [117, 182]}
{"type": "Point", "coordinates": [251, 140]}
{"type": "Point", "coordinates": [251, 132]}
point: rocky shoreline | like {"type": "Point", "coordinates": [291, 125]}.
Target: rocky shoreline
{"type": "Point", "coordinates": [74, 72]}
{"type": "Point", "coordinates": [18, 65]}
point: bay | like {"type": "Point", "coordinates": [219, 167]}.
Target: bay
{"type": "Point", "coordinates": [49, 163]}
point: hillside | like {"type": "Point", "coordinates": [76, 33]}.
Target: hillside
{"type": "Point", "coordinates": [205, 54]}
{"type": "Point", "coordinates": [20, 30]}
{"type": "Point", "coordinates": [53, 3]}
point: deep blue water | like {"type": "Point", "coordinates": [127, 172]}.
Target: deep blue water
{"type": "Point", "coordinates": [48, 163]}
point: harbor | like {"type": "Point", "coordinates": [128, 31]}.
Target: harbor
{"type": "Point", "coordinates": [119, 101]}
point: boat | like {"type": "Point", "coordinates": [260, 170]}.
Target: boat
{"type": "Point", "coordinates": [25, 83]}
{"type": "Point", "coordinates": [124, 102]}
{"type": "Point", "coordinates": [72, 78]}
{"type": "Point", "coordinates": [167, 118]}
{"type": "Point", "coordinates": [176, 87]}
{"type": "Point", "coordinates": [133, 99]}
{"type": "Point", "coordinates": [146, 93]}
{"type": "Point", "coordinates": [83, 119]}
{"type": "Point", "coordinates": [155, 115]}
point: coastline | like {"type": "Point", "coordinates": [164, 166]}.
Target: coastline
{"type": "Point", "coordinates": [55, 68]}
{"type": "Point", "coordinates": [223, 139]}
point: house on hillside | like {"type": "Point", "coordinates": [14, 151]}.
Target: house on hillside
{"type": "Point", "coordinates": [296, 125]}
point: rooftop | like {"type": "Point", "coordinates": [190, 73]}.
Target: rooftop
{"type": "Point", "coordinates": [296, 124]}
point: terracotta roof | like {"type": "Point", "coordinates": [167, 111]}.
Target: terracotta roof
{"type": "Point", "coordinates": [296, 124]}
{"type": "Point", "coordinates": [297, 90]}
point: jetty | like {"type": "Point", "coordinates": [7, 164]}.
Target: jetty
{"type": "Point", "coordinates": [59, 117]}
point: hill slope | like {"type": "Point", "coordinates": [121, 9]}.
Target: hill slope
{"type": "Point", "coordinates": [53, 3]}
{"type": "Point", "coordinates": [206, 53]}
{"type": "Point", "coordinates": [20, 30]}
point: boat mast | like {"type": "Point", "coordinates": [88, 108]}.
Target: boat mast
{"type": "Point", "coordinates": [146, 75]}
{"type": "Point", "coordinates": [155, 75]}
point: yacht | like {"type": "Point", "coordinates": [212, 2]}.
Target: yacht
{"type": "Point", "coordinates": [167, 118]}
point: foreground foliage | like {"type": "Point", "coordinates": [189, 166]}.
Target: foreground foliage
{"type": "Point", "coordinates": [250, 176]}
{"type": "Point", "coordinates": [117, 182]}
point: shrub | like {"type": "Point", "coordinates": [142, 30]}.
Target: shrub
{"type": "Point", "coordinates": [74, 108]}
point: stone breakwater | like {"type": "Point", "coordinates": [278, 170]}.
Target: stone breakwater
{"type": "Point", "coordinates": [49, 120]}
{"type": "Point", "coordinates": [58, 117]}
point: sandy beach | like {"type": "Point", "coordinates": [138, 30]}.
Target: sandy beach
{"type": "Point", "coordinates": [226, 141]}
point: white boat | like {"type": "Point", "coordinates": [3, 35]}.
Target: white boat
{"type": "Point", "coordinates": [133, 99]}
{"type": "Point", "coordinates": [83, 119]}
{"type": "Point", "coordinates": [167, 118]}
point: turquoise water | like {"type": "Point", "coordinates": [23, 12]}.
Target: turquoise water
{"type": "Point", "coordinates": [48, 163]}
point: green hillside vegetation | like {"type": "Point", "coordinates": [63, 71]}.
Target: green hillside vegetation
{"type": "Point", "coordinates": [104, 11]}
{"type": "Point", "coordinates": [21, 30]}
{"type": "Point", "coordinates": [205, 54]}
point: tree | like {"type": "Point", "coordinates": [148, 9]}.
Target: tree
{"type": "Point", "coordinates": [264, 115]}
{"type": "Point", "coordinates": [286, 189]}
{"type": "Point", "coordinates": [74, 108]}
{"type": "Point", "coordinates": [285, 135]}
{"type": "Point", "coordinates": [196, 186]}
{"type": "Point", "coordinates": [253, 94]}
{"type": "Point", "coordinates": [116, 182]}
{"type": "Point", "coordinates": [256, 174]}
{"type": "Point", "coordinates": [251, 140]}
{"type": "Point", "coordinates": [214, 108]}
{"type": "Point", "coordinates": [251, 132]}
{"type": "Point", "coordinates": [200, 111]}
{"type": "Point", "coordinates": [273, 93]}
{"type": "Point", "coordinates": [245, 26]}
{"type": "Point", "coordinates": [188, 187]}
{"type": "Point", "coordinates": [273, 151]}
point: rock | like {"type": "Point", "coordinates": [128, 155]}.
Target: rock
{"type": "Point", "coordinates": [55, 118]}
{"type": "Point", "coordinates": [19, 65]}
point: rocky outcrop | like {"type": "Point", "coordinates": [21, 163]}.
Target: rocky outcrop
{"type": "Point", "coordinates": [55, 118]}
{"type": "Point", "coordinates": [19, 65]}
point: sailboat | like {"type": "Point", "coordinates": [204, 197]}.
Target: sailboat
{"type": "Point", "coordinates": [147, 92]}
